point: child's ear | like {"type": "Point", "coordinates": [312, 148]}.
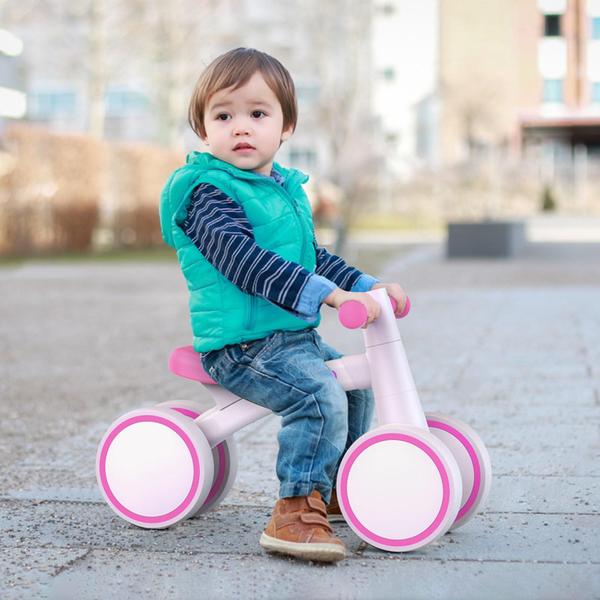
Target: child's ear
{"type": "Point", "coordinates": [286, 134]}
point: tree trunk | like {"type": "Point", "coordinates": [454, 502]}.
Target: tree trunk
{"type": "Point", "coordinates": [97, 71]}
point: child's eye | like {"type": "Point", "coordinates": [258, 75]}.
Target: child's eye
{"type": "Point", "coordinates": [257, 114]}
{"type": "Point", "coordinates": [222, 117]}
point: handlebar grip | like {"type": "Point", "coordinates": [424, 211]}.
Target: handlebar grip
{"type": "Point", "coordinates": [406, 307]}
{"type": "Point", "coordinates": [353, 314]}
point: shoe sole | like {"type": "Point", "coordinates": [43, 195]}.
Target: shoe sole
{"type": "Point", "coordinates": [307, 551]}
{"type": "Point", "coordinates": [338, 518]}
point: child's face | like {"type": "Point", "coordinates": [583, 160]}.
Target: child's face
{"type": "Point", "coordinates": [244, 127]}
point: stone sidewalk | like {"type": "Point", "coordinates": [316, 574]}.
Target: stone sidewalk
{"type": "Point", "coordinates": [510, 347]}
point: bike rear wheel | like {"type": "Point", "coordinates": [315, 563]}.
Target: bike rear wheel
{"type": "Point", "coordinates": [154, 467]}
{"type": "Point", "coordinates": [225, 458]}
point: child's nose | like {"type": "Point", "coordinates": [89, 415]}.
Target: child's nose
{"type": "Point", "coordinates": [241, 127]}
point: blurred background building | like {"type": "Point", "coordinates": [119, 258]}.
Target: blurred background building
{"type": "Point", "coordinates": [13, 101]}
{"type": "Point", "coordinates": [441, 80]}
{"type": "Point", "coordinates": [419, 107]}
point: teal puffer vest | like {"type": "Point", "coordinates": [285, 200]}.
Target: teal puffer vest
{"type": "Point", "coordinates": [281, 219]}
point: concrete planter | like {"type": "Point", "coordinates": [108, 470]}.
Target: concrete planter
{"type": "Point", "coordinates": [494, 239]}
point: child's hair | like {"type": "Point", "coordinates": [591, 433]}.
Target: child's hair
{"type": "Point", "coordinates": [234, 69]}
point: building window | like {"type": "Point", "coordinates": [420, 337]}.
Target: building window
{"type": "Point", "coordinates": [120, 102]}
{"type": "Point", "coordinates": [391, 139]}
{"type": "Point", "coordinates": [387, 8]}
{"type": "Point", "coordinates": [307, 93]}
{"type": "Point", "coordinates": [48, 104]}
{"type": "Point", "coordinates": [595, 28]}
{"type": "Point", "coordinates": [553, 90]}
{"type": "Point", "coordinates": [389, 74]}
{"type": "Point", "coordinates": [551, 25]}
{"type": "Point", "coordinates": [596, 92]}
{"type": "Point", "coordinates": [303, 158]}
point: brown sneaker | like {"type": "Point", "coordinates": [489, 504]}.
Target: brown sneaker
{"type": "Point", "coordinates": [334, 512]}
{"type": "Point", "coordinates": [299, 527]}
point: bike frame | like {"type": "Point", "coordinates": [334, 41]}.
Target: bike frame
{"type": "Point", "coordinates": [383, 367]}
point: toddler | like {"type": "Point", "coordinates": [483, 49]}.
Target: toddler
{"type": "Point", "coordinates": [243, 231]}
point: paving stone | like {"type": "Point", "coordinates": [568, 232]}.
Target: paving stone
{"type": "Point", "coordinates": [544, 494]}
{"type": "Point", "coordinates": [230, 528]}
{"type": "Point", "coordinates": [26, 572]}
{"type": "Point", "coordinates": [530, 537]}
{"type": "Point", "coordinates": [510, 347]}
{"type": "Point", "coordinates": [125, 574]}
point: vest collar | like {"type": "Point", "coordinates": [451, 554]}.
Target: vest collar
{"type": "Point", "coordinates": [208, 161]}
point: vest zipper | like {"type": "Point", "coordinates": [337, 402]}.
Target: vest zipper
{"type": "Point", "coordinates": [291, 201]}
{"type": "Point", "coordinates": [250, 316]}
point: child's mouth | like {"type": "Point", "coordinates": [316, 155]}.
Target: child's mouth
{"type": "Point", "coordinates": [243, 148]}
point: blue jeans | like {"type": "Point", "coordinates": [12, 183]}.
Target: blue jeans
{"type": "Point", "coordinates": [286, 373]}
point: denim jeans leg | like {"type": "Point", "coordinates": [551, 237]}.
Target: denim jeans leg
{"type": "Point", "coordinates": [286, 373]}
{"type": "Point", "coordinates": [361, 405]}
{"type": "Point", "coordinates": [312, 439]}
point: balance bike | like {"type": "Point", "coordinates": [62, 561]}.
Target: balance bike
{"type": "Point", "coordinates": [400, 486]}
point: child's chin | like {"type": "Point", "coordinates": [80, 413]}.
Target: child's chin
{"type": "Point", "coordinates": [247, 164]}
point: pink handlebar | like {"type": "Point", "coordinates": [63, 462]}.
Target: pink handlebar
{"type": "Point", "coordinates": [353, 314]}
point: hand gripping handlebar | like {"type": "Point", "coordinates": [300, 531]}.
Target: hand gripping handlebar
{"type": "Point", "coordinates": [353, 314]}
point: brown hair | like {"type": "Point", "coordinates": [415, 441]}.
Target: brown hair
{"type": "Point", "coordinates": [235, 68]}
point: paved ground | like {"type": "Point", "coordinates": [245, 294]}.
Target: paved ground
{"type": "Point", "coordinates": [509, 346]}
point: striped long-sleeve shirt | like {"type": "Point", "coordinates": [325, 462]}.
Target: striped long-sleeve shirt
{"type": "Point", "coordinates": [220, 229]}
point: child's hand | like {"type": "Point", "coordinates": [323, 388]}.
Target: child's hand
{"type": "Point", "coordinates": [396, 292]}
{"type": "Point", "coordinates": [339, 296]}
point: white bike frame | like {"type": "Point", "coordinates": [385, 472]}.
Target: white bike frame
{"type": "Point", "coordinates": [383, 367]}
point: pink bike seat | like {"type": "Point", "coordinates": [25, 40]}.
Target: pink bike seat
{"type": "Point", "coordinates": [185, 362]}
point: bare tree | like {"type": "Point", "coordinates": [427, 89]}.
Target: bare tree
{"type": "Point", "coordinates": [97, 71]}
{"type": "Point", "coordinates": [339, 38]}
{"type": "Point", "coordinates": [77, 33]}
{"type": "Point", "coordinates": [179, 37]}
{"type": "Point", "coordinates": [96, 43]}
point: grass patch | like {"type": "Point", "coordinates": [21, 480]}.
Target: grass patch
{"type": "Point", "coordinates": [369, 258]}
{"type": "Point", "coordinates": [387, 222]}
{"type": "Point", "coordinates": [147, 255]}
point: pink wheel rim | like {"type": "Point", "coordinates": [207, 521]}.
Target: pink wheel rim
{"type": "Point", "coordinates": [195, 479]}
{"type": "Point", "coordinates": [474, 461]}
{"type": "Point", "coordinates": [216, 487]}
{"type": "Point", "coordinates": [445, 490]}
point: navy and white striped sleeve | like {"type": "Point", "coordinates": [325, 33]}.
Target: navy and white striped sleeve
{"type": "Point", "coordinates": [220, 229]}
{"type": "Point", "coordinates": [335, 269]}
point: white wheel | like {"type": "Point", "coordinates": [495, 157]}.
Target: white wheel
{"type": "Point", "coordinates": [473, 461]}
{"type": "Point", "coordinates": [225, 458]}
{"type": "Point", "coordinates": [399, 487]}
{"type": "Point", "coordinates": [154, 467]}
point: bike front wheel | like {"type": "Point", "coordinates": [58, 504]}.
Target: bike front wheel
{"type": "Point", "coordinates": [399, 487]}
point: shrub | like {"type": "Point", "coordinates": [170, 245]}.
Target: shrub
{"type": "Point", "coordinates": [548, 199]}
{"type": "Point", "coordinates": [58, 190]}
